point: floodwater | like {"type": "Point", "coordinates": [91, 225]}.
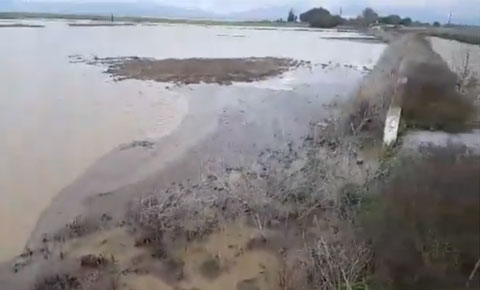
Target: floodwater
{"type": "Point", "coordinates": [57, 118]}
{"type": "Point", "coordinates": [455, 54]}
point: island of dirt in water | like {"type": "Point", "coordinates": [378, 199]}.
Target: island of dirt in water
{"type": "Point", "coordinates": [194, 70]}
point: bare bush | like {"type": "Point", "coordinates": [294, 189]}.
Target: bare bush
{"type": "Point", "coordinates": [288, 183]}
{"type": "Point", "coordinates": [468, 83]}
{"type": "Point", "coordinates": [177, 214]}
{"type": "Point", "coordinates": [338, 265]}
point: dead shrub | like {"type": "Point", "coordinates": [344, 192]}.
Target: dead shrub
{"type": "Point", "coordinates": [326, 264]}
{"type": "Point", "coordinates": [424, 225]}
{"type": "Point", "coordinates": [468, 83]}
{"type": "Point", "coordinates": [287, 184]}
{"type": "Point", "coordinates": [176, 214]}
{"type": "Point", "coordinates": [338, 265]}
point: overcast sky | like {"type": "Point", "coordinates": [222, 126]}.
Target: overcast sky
{"type": "Point", "coordinates": [239, 5]}
{"type": "Point", "coordinates": [462, 9]}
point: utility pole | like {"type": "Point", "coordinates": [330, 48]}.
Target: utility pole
{"type": "Point", "coordinates": [450, 17]}
{"type": "Point", "coordinates": [341, 11]}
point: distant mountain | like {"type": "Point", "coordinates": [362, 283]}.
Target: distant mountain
{"type": "Point", "coordinates": [266, 13]}
{"type": "Point", "coordinates": [118, 8]}
{"type": "Point", "coordinates": [140, 8]}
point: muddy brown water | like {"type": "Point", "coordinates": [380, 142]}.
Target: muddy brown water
{"type": "Point", "coordinates": [57, 118]}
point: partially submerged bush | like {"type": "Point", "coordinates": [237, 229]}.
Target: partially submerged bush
{"type": "Point", "coordinates": [287, 184]}
{"type": "Point", "coordinates": [289, 192]}
{"type": "Point", "coordinates": [424, 226]}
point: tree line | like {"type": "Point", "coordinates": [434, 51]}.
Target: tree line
{"type": "Point", "coordinates": [322, 18]}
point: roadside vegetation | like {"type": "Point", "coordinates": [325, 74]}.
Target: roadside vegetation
{"type": "Point", "coordinates": [411, 75]}
{"type": "Point", "coordinates": [423, 223]}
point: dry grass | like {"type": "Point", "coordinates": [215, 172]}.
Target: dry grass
{"type": "Point", "coordinates": [287, 184]}
{"type": "Point", "coordinates": [424, 227]}
{"type": "Point", "coordinates": [468, 83]}
{"type": "Point", "coordinates": [431, 99]}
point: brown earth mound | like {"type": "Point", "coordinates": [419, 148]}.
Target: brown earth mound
{"type": "Point", "coordinates": [197, 70]}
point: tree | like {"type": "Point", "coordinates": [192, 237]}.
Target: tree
{"type": "Point", "coordinates": [338, 20]}
{"type": "Point", "coordinates": [329, 21]}
{"type": "Point", "coordinates": [391, 19]}
{"type": "Point", "coordinates": [315, 13]}
{"type": "Point", "coordinates": [436, 24]}
{"type": "Point", "coordinates": [369, 16]}
{"type": "Point", "coordinates": [291, 16]}
{"type": "Point", "coordinates": [406, 21]}
{"type": "Point", "coordinates": [320, 17]}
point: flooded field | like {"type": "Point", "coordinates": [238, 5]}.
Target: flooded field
{"type": "Point", "coordinates": [58, 117]}
{"type": "Point", "coordinates": [455, 53]}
